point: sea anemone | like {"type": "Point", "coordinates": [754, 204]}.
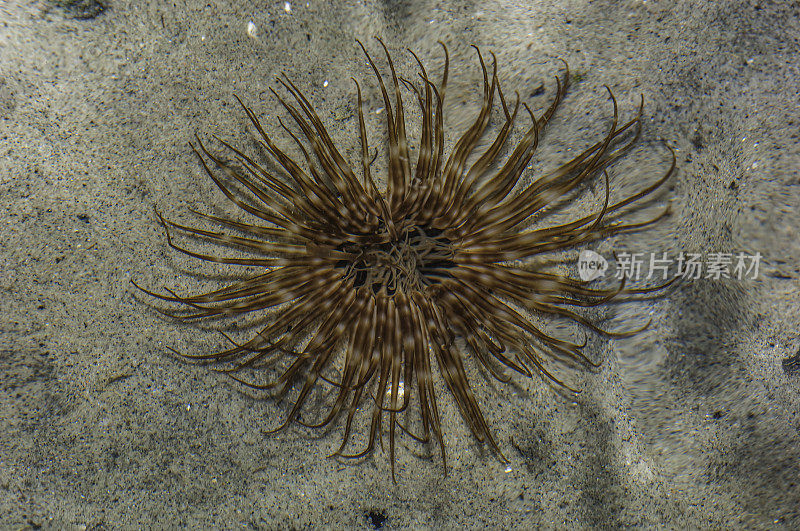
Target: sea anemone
{"type": "Point", "coordinates": [376, 289]}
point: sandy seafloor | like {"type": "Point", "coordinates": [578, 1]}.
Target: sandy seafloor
{"type": "Point", "coordinates": [691, 424]}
